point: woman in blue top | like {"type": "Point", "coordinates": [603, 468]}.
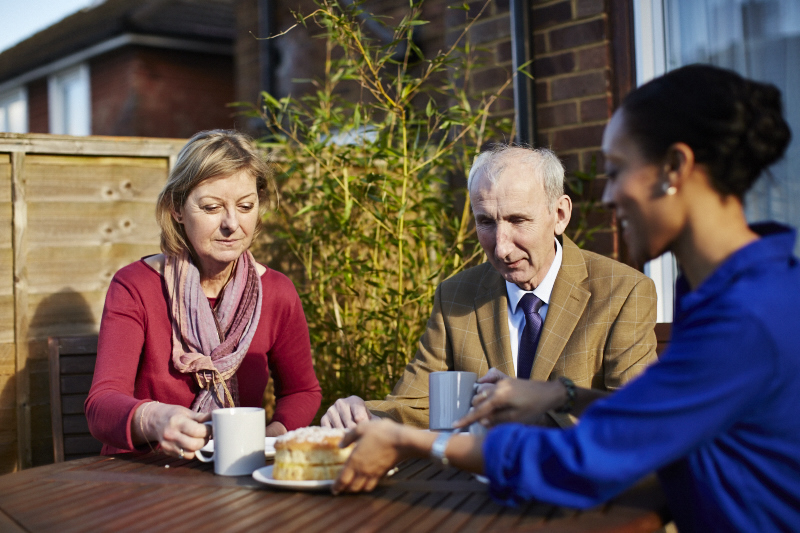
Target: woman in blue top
{"type": "Point", "coordinates": [716, 416]}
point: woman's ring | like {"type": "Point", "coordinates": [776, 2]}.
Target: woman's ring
{"type": "Point", "coordinates": [483, 395]}
{"type": "Point", "coordinates": [181, 453]}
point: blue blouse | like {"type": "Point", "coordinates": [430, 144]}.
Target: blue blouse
{"type": "Point", "coordinates": [718, 416]}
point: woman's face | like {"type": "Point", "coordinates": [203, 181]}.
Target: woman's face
{"type": "Point", "coordinates": [219, 217]}
{"type": "Point", "coordinates": [635, 190]}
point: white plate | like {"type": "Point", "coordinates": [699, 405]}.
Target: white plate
{"type": "Point", "coordinates": [269, 447]}
{"type": "Point", "coordinates": [264, 475]}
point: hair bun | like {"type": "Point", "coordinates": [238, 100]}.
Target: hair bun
{"type": "Point", "coordinates": [734, 125]}
{"type": "Point", "coordinates": [767, 134]}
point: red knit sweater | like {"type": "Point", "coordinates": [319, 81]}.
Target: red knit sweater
{"type": "Point", "coordinates": [134, 357]}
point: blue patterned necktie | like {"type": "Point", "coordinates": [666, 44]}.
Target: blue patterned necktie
{"type": "Point", "coordinates": [530, 334]}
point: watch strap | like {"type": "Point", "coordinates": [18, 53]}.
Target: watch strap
{"type": "Point", "coordinates": [439, 446]}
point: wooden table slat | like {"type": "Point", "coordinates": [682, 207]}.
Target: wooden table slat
{"type": "Point", "coordinates": [152, 492]}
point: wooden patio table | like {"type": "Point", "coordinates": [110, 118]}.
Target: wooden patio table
{"type": "Point", "coordinates": [153, 492]}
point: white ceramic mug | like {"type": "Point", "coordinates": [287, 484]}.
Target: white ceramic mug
{"type": "Point", "coordinates": [450, 397]}
{"type": "Point", "coordinates": [238, 434]}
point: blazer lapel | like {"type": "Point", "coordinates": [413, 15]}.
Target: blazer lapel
{"type": "Point", "coordinates": [567, 302]}
{"type": "Point", "coordinates": [491, 312]}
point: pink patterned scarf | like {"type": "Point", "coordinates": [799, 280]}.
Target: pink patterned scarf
{"type": "Point", "coordinates": [209, 343]}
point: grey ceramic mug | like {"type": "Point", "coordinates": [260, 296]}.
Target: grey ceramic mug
{"type": "Point", "coordinates": [450, 397]}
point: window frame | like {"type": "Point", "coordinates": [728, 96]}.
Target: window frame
{"type": "Point", "coordinates": [61, 117]}
{"type": "Point", "coordinates": [7, 99]}
{"type": "Point", "coordinates": [650, 46]}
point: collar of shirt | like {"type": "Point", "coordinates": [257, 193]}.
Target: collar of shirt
{"type": "Point", "coordinates": [776, 244]}
{"type": "Point", "coordinates": [544, 289]}
{"type": "Point", "coordinates": [516, 317]}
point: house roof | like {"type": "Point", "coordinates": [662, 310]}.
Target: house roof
{"type": "Point", "coordinates": [212, 21]}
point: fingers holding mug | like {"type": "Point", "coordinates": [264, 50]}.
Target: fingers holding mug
{"type": "Point", "coordinates": [482, 393]}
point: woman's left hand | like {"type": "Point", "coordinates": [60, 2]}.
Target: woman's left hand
{"type": "Point", "coordinates": [379, 446]}
{"type": "Point", "coordinates": [513, 400]}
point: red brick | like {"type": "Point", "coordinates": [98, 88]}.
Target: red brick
{"type": "Point", "coordinates": [552, 65]}
{"type": "Point", "coordinates": [595, 109]}
{"type": "Point", "coordinates": [552, 15]}
{"type": "Point", "coordinates": [543, 139]}
{"type": "Point", "coordinates": [475, 8]}
{"type": "Point", "coordinates": [542, 92]}
{"type": "Point", "coordinates": [504, 51]}
{"type": "Point", "coordinates": [601, 242]}
{"type": "Point", "coordinates": [484, 57]}
{"type": "Point", "coordinates": [599, 217]}
{"type": "Point", "coordinates": [578, 35]}
{"type": "Point", "coordinates": [588, 8]}
{"type": "Point", "coordinates": [570, 161]}
{"type": "Point", "coordinates": [490, 30]}
{"type": "Point", "coordinates": [38, 118]}
{"type": "Point", "coordinates": [504, 103]}
{"type": "Point", "coordinates": [595, 156]}
{"type": "Point", "coordinates": [489, 78]}
{"type": "Point", "coordinates": [454, 18]}
{"type": "Point", "coordinates": [539, 44]}
{"type": "Point", "coordinates": [593, 83]}
{"type": "Point", "coordinates": [142, 92]}
{"type": "Point", "coordinates": [593, 58]}
{"type": "Point", "coordinates": [450, 37]}
{"type": "Point", "coordinates": [578, 137]}
{"type": "Point", "coordinates": [557, 115]}
{"type": "Point", "coordinates": [599, 185]}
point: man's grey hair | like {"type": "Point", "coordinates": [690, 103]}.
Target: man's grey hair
{"type": "Point", "coordinates": [543, 163]}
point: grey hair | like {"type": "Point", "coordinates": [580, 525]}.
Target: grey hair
{"type": "Point", "coordinates": [543, 163]}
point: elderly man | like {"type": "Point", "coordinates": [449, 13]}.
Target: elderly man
{"type": "Point", "coordinates": [589, 319]}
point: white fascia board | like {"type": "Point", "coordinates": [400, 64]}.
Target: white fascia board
{"type": "Point", "coordinates": [126, 39]}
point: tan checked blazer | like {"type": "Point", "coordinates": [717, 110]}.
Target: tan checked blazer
{"type": "Point", "coordinates": [598, 330]}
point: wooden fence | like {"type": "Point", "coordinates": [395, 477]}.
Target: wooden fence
{"type": "Point", "coordinates": [73, 210]}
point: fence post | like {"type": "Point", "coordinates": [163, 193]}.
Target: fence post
{"type": "Point", "coordinates": [21, 320]}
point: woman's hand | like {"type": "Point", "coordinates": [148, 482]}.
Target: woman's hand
{"type": "Point", "coordinates": [502, 399]}
{"type": "Point", "coordinates": [179, 431]}
{"type": "Point", "coordinates": [379, 446]}
{"type": "Point", "coordinates": [275, 429]}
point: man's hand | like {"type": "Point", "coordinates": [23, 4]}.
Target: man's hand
{"type": "Point", "coordinates": [513, 400]}
{"type": "Point", "coordinates": [347, 413]}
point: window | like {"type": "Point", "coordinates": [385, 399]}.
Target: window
{"type": "Point", "coordinates": [14, 111]}
{"type": "Point", "coordinates": [70, 102]}
{"type": "Point", "coordinates": [759, 39]}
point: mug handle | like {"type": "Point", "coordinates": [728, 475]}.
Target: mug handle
{"type": "Point", "coordinates": [199, 454]}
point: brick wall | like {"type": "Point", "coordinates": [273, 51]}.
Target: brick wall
{"type": "Point", "coordinates": [578, 75]}
{"type": "Point", "coordinates": [573, 72]}
{"type": "Point", "coordinates": [160, 93]}
{"type": "Point", "coordinates": [490, 37]}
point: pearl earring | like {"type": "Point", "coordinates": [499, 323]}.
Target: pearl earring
{"type": "Point", "coordinates": [669, 190]}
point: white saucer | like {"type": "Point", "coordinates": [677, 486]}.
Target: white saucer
{"type": "Point", "coordinates": [264, 475]}
{"type": "Point", "coordinates": [269, 447]}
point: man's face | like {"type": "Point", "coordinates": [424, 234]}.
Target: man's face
{"type": "Point", "coordinates": [515, 227]}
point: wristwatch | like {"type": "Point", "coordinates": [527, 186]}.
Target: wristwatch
{"type": "Point", "coordinates": [571, 393]}
{"type": "Point", "coordinates": [439, 447]}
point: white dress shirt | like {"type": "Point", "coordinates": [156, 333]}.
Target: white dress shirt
{"type": "Point", "coordinates": [516, 316]}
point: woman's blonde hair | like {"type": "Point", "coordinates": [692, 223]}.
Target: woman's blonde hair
{"type": "Point", "coordinates": [208, 154]}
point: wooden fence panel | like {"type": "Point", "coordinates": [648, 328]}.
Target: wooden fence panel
{"type": "Point", "coordinates": [8, 356]}
{"type": "Point", "coordinates": [73, 211]}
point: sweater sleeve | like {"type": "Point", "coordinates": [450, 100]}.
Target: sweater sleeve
{"type": "Point", "coordinates": [699, 388]}
{"type": "Point", "coordinates": [297, 391]}
{"type": "Point", "coordinates": [111, 403]}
